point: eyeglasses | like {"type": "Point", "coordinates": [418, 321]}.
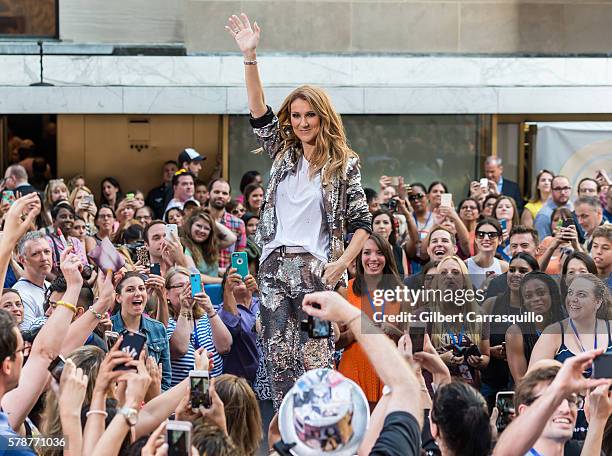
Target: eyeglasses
{"type": "Point", "coordinates": [574, 400]}
{"type": "Point", "coordinates": [562, 189]}
{"type": "Point", "coordinates": [415, 197]}
{"type": "Point", "coordinates": [487, 234]}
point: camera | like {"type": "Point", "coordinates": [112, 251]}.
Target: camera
{"type": "Point", "coordinates": [472, 350]}
{"type": "Point", "coordinates": [392, 205]}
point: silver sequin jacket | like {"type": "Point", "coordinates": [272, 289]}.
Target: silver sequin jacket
{"type": "Point", "coordinates": [345, 205]}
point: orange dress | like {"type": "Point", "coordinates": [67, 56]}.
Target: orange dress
{"type": "Point", "coordinates": [354, 363]}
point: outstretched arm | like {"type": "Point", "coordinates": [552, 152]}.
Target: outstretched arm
{"type": "Point", "coordinates": [247, 38]}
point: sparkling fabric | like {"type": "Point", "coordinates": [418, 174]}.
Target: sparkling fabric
{"type": "Point", "coordinates": [344, 202]}
{"type": "Point", "coordinates": [289, 352]}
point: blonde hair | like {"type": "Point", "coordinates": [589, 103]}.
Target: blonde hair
{"type": "Point", "coordinates": [331, 149]}
{"type": "Point", "coordinates": [75, 192]}
{"type": "Point", "coordinates": [442, 306]}
{"type": "Point", "coordinates": [171, 274]}
{"type": "Point", "coordinates": [88, 358]}
{"type": "Point", "coordinates": [52, 185]}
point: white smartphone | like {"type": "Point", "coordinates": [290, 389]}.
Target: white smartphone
{"type": "Point", "coordinates": [171, 232]}
{"type": "Point", "coordinates": [178, 437]}
{"type": "Point", "coordinates": [484, 183]}
{"type": "Point", "coordinates": [447, 200]}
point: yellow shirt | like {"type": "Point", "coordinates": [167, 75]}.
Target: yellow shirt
{"type": "Point", "coordinates": [534, 207]}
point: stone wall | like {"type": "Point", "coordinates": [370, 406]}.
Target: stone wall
{"type": "Point", "coordinates": [360, 26]}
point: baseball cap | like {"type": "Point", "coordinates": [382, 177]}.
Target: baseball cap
{"type": "Point", "coordinates": [189, 155]}
{"type": "Point", "coordinates": [324, 413]}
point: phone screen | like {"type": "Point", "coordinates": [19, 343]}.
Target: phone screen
{"type": "Point", "coordinates": [155, 269]}
{"type": "Point", "coordinates": [111, 338]}
{"type": "Point", "coordinates": [199, 390]}
{"type": "Point", "coordinates": [504, 401]}
{"type": "Point", "coordinates": [602, 366]}
{"type": "Point", "coordinates": [56, 367]}
{"type": "Point", "coordinates": [178, 442]}
{"type": "Point", "coordinates": [132, 344]}
{"type": "Point", "coordinates": [417, 337]}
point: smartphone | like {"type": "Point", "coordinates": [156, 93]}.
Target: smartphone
{"type": "Point", "coordinates": [560, 223]}
{"type": "Point", "coordinates": [196, 283]}
{"type": "Point", "coordinates": [568, 222]}
{"type": "Point", "coordinates": [155, 268]}
{"type": "Point", "coordinates": [171, 231]}
{"type": "Point", "coordinates": [602, 366]}
{"type": "Point", "coordinates": [394, 181]}
{"type": "Point", "coordinates": [392, 204]}
{"type": "Point", "coordinates": [199, 381]}
{"type": "Point", "coordinates": [484, 183]}
{"type": "Point", "coordinates": [132, 344]}
{"type": "Point", "coordinates": [446, 200]}
{"type": "Point", "coordinates": [240, 262]}
{"type": "Point", "coordinates": [417, 337]}
{"type": "Point", "coordinates": [504, 224]}
{"type": "Point", "coordinates": [178, 438]}
{"type": "Point", "coordinates": [88, 199]}
{"type": "Point", "coordinates": [56, 367]}
{"type": "Point", "coordinates": [504, 401]}
{"type": "Point", "coordinates": [8, 196]}
{"type": "Point", "coordinates": [142, 255]}
{"type": "Point", "coordinates": [129, 196]}
{"type": "Point", "coordinates": [316, 328]}
{"type": "Point", "coordinates": [110, 337]}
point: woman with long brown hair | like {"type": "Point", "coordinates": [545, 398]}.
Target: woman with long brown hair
{"type": "Point", "coordinates": [314, 198]}
{"type": "Point", "coordinates": [376, 272]}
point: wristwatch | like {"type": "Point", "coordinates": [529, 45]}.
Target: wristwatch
{"type": "Point", "coordinates": [130, 415]}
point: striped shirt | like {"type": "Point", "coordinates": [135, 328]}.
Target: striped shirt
{"type": "Point", "coordinates": [200, 337]}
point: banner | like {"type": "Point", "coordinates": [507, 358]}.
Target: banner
{"type": "Point", "coordinates": [574, 149]}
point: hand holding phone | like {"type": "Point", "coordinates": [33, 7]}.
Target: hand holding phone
{"type": "Point", "coordinates": [171, 232]}
{"type": "Point", "coordinates": [504, 401]}
{"type": "Point", "coordinates": [178, 438]}
{"type": "Point", "coordinates": [199, 381]}
{"type": "Point", "coordinates": [240, 262]}
{"type": "Point", "coordinates": [417, 337]}
{"type": "Point", "coordinates": [57, 367]}
{"type": "Point", "coordinates": [196, 283]}
{"type": "Point", "coordinates": [132, 344]}
{"type": "Point", "coordinates": [155, 269]}
{"type": "Point", "coordinates": [446, 200]}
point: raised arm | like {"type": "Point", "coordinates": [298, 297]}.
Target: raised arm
{"type": "Point", "coordinates": [247, 38]}
{"type": "Point", "coordinates": [225, 235]}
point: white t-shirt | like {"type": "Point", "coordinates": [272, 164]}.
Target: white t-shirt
{"type": "Point", "coordinates": [299, 214]}
{"type": "Point", "coordinates": [33, 298]}
{"type": "Point", "coordinates": [478, 274]}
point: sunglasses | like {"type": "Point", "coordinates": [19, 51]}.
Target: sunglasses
{"type": "Point", "coordinates": [487, 234]}
{"type": "Point", "coordinates": [415, 197]}
{"type": "Point", "coordinates": [574, 400]}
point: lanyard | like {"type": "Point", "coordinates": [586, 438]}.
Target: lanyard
{"type": "Point", "coordinates": [374, 307]}
{"type": "Point", "coordinates": [426, 221]}
{"type": "Point", "coordinates": [578, 335]}
{"type": "Point", "coordinates": [458, 340]}
{"type": "Point", "coordinates": [533, 452]}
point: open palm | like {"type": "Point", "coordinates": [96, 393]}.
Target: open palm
{"type": "Point", "coordinates": [246, 37]}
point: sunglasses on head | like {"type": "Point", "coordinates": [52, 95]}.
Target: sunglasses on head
{"type": "Point", "coordinates": [415, 197]}
{"type": "Point", "coordinates": [488, 234]}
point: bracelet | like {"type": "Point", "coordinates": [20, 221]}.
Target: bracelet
{"type": "Point", "coordinates": [99, 316]}
{"type": "Point", "coordinates": [67, 305]}
{"type": "Point", "coordinates": [97, 412]}
{"type": "Point", "coordinates": [348, 323]}
{"type": "Point", "coordinates": [250, 62]}
{"type": "Point", "coordinates": [210, 317]}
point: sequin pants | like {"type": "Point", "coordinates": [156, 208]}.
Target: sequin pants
{"type": "Point", "coordinates": [284, 280]}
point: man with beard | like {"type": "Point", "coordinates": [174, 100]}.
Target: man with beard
{"type": "Point", "coordinates": [220, 195]}
{"type": "Point", "coordinates": [561, 191]}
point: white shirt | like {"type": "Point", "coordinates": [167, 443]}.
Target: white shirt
{"type": "Point", "coordinates": [478, 274]}
{"type": "Point", "coordinates": [33, 298]}
{"type": "Point", "coordinates": [299, 214]}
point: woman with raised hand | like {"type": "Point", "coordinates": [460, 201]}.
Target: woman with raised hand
{"type": "Point", "coordinates": [314, 198]}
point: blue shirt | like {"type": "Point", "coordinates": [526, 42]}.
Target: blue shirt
{"type": "Point", "coordinates": [243, 358]}
{"type": "Point", "coordinates": [607, 216]}
{"type": "Point", "coordinates": [543, 219]}
{"type": "Point", "coordinates": [500, 184]}
{"type": "Point", "coordinates": [157, 343]}
{"type": "Point", "coordinates": [11, 447]}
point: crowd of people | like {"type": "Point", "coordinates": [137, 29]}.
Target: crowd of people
{"type": "Point", "coordinates": [302, 353]}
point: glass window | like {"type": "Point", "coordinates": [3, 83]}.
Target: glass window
{"type": "Point", "coordinates": [422, 148]}
{"type": "Point", "coordinates": [29, 18]}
